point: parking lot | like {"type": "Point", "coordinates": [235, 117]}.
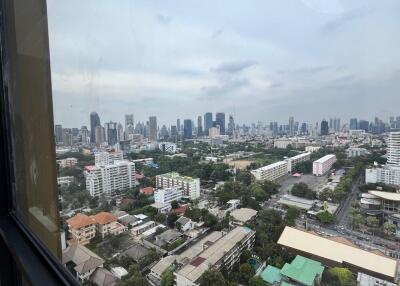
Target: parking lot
{"type": "Point", "coordinates": [313, 182]}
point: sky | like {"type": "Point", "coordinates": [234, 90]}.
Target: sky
{"type": "Point", "coordinates": [260, 60]}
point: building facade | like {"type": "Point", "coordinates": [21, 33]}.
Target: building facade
{"type": "Point", "coordinates": [323, 165]}
{"type": "Point", "coordinates": [190, 186]}
{"type": "Point", "coordinates": [271, 172]}
{"type": "Point", "coordinates": [168, 195]}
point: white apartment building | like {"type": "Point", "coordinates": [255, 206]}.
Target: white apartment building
{"type": "Point", "coordinates": [293, 161]}
{"type": "Point", "coordinates": [167, 147]}
{"type": "Point", "coordinates": [106, 158]}
{"type": "Point", "coordinates": [190, 186]}
{"type": "Point", "coordinates": [67, 162]}
{"type": "Point", "coordinates": [356, 152]}
{"type": "Point", "coordinates": [312, 149]}
{"type": "Point", "coordinates": [222, 253]}
{"type": "Point", "coordinates": [167, 195]}
{"type": "Point", "coordinates": [213, 132]}
{"type": "Point", "coordinates": [271, 172]}
{"type": "Point", "coordinates": [323, 165]}
{"type": "Point", "coordinates": [108, 179]}
{"type": "Point", "coordinates": [390, 173]}
{"type": "Point", "coordinates": [65, 181]}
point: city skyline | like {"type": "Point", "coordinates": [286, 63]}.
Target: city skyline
{"type": "Point", "coordinates": [161, 58]}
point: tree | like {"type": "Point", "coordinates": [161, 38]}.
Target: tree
{"type": "Point", "coordinates": [326, 217]}
{"type": "Point", "coordinates": [174, 205]}
{"type": "Point", "coordinates": [302, 190]}
{"type": "Point", "coordinates": [245, 256]}
{"type": "Point", "coordinates": [257, 281]}
{"type": "Point", "coordinates": [167, 278]}
{"type": "Point", "coordinates": [338, 276]}
{"type": "Point", "coordinates": [171, 219]}
{"type": "Point", "coordinates": [245, 273]}
{"type": "Point", "coordinates": [292, 214]}
{"type": "Point", "coordinates": [372, 221]}
{"type": "Point", "coordinates": [389, 228]}
{"type": "Point", "coordinates": [325, 195]}
{"type": "Point", "coordinates": [303, 167]}
{"type": "Point", "coordinates": [212, 278]}
{"type": "Point", "coordinates": [356, 220]}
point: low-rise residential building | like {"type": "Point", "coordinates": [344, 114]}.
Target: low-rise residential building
{"type": "Point", "coordinates": [82, 229]}
{"type": "Point", "coordinates": [356, 152]}
{"type": "Point", "coordinates": [167, 237]}
{"type": "Point", "coordinates": [243, 215]}
{"type": "Point", "coordinates": [138, 230]}
{"type": "Point", "coordinates": [167, 147]}
{"type": "Point", "coordinates": [107, 158]}
{"type": "Point", "coordinates": [67, 162]}
{"type": "Point", "coordinates": [190, 186]}
{"type": "Point", "coordinates": [119, 272]}
{"type": "Point", "coordinates": [368, 280]}
{"type": "Point", "coordinates": [107, 223]}
{"type": "Point", "coordinates": [158, 269]}
{"type": "Point", "coordinates": [323, 165]}
{"type": "Point", "coordinates": [148, 191]}
{"type": "Point", "coordinates": [185, 223]}
{"type": "Point", "coordinates": [223, 252]}
{"type": "Point", "coordinates": [65, 181]}
{"type": "Point", "coordinates": [271, 172]}
{"type": "Point", "coordinates": [293, 161]}
{"type": "Point", "coordinates": [312, 149]}
{"type": "Point", "coordinates": [81, 261]}
{"type": "Point", "coordinates": [162, 208]}
{"type": "Point", "coordinates": [168, 195]}
{"type": "Point", "coordinates": [388, 174]}
{"type": "Point", "coordinates": [103, 277]}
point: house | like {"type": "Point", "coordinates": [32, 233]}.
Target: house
{"type": "Point", "coordinates": [119, 272]}
{"type": "Point", "coordinates": [148, 191]}
{"type": "Point", "coordinates": [136, 252]}
{"type": "Point", "coordinates": [243, 215]}
{"type": "Point", "coordinates": [82, 229]}
{"type": "Point", "coordinates": [301, 271]}
{"type": "Point", "coordinates": [103, 277]}
{"type": "Point", "coordinates": [185, 223]}
{"type": "Point", "coordinates": [81, 261]}
{"type": "Point", "coordinates": [106, 223]}
{"type": "Point", "coordinates": [162, 207]}
{"type": "Point", "coordinates": [181, 210]}
{"type": "Point", "coordinates": [167, 237]}
{"type": "Point", "coordinates": [129, 221]}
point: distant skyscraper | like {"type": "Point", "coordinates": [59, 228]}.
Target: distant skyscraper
{"type": "Point", "coordinates": [303, 128]}
{"type": "Point", "coordinates": [324, 127]}
{"type": "Point", "coordinates": [336, 124]}
{"type": "Point", "coordinates": [153, 128]}
{"type": "Point", "coordinates": [129, 125]}
{"type": "Point", "coordinates": [178, 125]}
{"type": "Point", "coordinates": [291, 126]}
{"type": "Point", "coordinates": [187, 129]}
{"type": "Point", "coordinates": [111, 132]}
{"type": "Point", "coordinates": [94, 122]}
{"type": "Point", "coordinates": [58, 133]}
{"type": "Point", "coordinates": [174, 132]}
{"type": "Point", "coordinates": [199, 126]}
{"type": "Point", "coordinates": [364, 125]}
{"type": "Point", "coordinates": [208, 122]}
{"type": "Point", "coordinates": [99, 134]}
{"type": "Point", "coordinates": [353, 124]}
{"type": "Point", "coordinates": [120, 132]}
{"type": "Point", "coordinates": [84, 135]}
{"type": "Point", "coordinates": [231, 125]}
{"type": "Point", "coordinates": [220, 120]}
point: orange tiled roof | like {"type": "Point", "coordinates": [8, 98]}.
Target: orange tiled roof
{"type": "Point", "coordinates": [80, 220]}
{"type": "Point", "coordinates": [147, 190]}
{"type": "Point", "coordinates": [104, 218]}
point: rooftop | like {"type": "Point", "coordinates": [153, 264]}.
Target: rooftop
{"type": "Point", "coordinates": [325, 158]}
{"type": "Point", "coordinates": [175, 175]}
{"type": "Point", "coordinates": [103, 277]}
{"type": "Point", "coordinates": [104, 218]}
{"type": "Point", "coordinates": [271, 275]}
{"type": "Point", "coordinates": [270, 166]}
{"type": "Point", "coordinates": [80, 220]}
{"type": "Point", "coordinates": [243, 214]}
{"type": "Point", "coordinates": [303, 270]}
{"type": "Point", "coordinates": [337, 252]}
{"type": "Point", "coordinates": [163, 264]}
{"type": "Point", "coordinates": [386, 195]}
{"type": "Point", "coordinates": [83, 258]}
{"type": "Point", "coordinates": [300, 156]}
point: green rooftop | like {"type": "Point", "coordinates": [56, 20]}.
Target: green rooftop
{"type": "Point", "coordinates": [271, 275]}
{"type": "Point", "coordinates": [286, 284]}
{"type": "Point", "coordinates": [302, 270]}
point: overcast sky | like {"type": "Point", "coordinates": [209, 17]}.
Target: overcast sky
{"type": "Point", "coordinates": [262, 60]}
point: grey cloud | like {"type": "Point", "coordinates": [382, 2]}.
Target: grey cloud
{"type": "Point", "coordinates": [224, 86]}
{"type": "Point", "coordinates": [342, 20]}
{"type": "Point", "coordinates": [216, 34]}
{"type": "Point", "coordinates": [307, 70]}
{"type": "Point", "coordinates": [345, 78]}
{"type": "Point", "coordinates": [233, 67]}
{"type": "Point", "coordinates": [163, 19]}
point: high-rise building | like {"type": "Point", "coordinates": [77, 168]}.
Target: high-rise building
{"type": "Point", "coordinates": [84, 135]}
{"type": "Point", "coordinates": [190, 186]}
{"type": "Point", "coordinates": [393, 153]}
{"type": "Point", "coordinates": [99, 135]}
{"type": "Point", "coordinates": [120, 132]}
{"type": "Point", "coordinates": [153, 128]}
{"type": "Point", "coordinates": [336, 124]}
{"type": "Point", "coordinates": [174, 132]}
{"type": "Point", "coordinates": [67, 137]}
{"type": "Point", "coordinates": [324, 127]}
{"type": "Point", "coordinates": [187, 129]}
{"type": "Point", "coordinates": [178, 125]}
{"type": "Point", "coordinates": [220, 120]}
{"type": "Point", "coordinates": [363, 125]}
{"type": "Point", "coordinates": [231, 125]}
{"type": "Point", "coordinates": [94, 122]}
{"type": "Point", "coordinates": [291, 126]}
{"type": "Point", "coordinates": [353, 124]}
{"type": "Point", "coordinates": [208, 122]}
{"type": "Point", "coordinates": [199, 126]}
{"type": "Point", "coordinates": [58, 133]}
{"type": "Point", "coordinates": [129, 125]}
{"type": "Point", "coordinates": [111, 133]}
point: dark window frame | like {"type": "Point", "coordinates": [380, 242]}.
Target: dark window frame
{"type": "Point", "coordinates": [24, 259]}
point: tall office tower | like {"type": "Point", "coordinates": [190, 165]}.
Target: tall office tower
{"type": "Point", "coordinates": [291, 126]}
{"type": "Point", "coordinates": [336, 124]}
{"type": "Point", "coordinates": [111, 133]}
{"type": "Point", "coordinates": [393, 152]}
{"type": "Point", "coordinates": [174, 132]}
{"type": "Point", "coordinates": [353, 124]}
{"type": "Point", "coordinates": [178, 125]}
{"type": "Point", "coordinates": [331, 124]}
{"type": "Point", "coordinates": [129, 125]}
{"type": "Point", "coordinates": [231, 125]}
{"type": "Point", "coordinates": [139, 128]}
{"type": "Point", "coordinates": [364, 125]}
{"type": "Point", "coordinates": [58, 133]}
{"type": "Point", "coordinates": [324, 127]}
{"type": "Point", "coordinates": [94, 122]}
{"type": "Point", "coordinates": [164, 134]}
{"type": "Point", "coordinates": [199, 126]}
{"type": "Point", "coordinates": [153, 128]}
{"type": "Point", "coordinates": [398, 122]}
{"type": "Point", "coordinates": [99, 135]}
{"type": "Point", "coordinates": [84, 134]}
{"type": "Point", "coordinates": [392, 122]}
{"type": "Point", "coordinates": [120, 132]}
{"type": "Point", "coordinates": [220, 120]}
{"type": "Point", "coordinates": [187, 129]}
{"type": "Point", "coordinates": [208, 122]}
